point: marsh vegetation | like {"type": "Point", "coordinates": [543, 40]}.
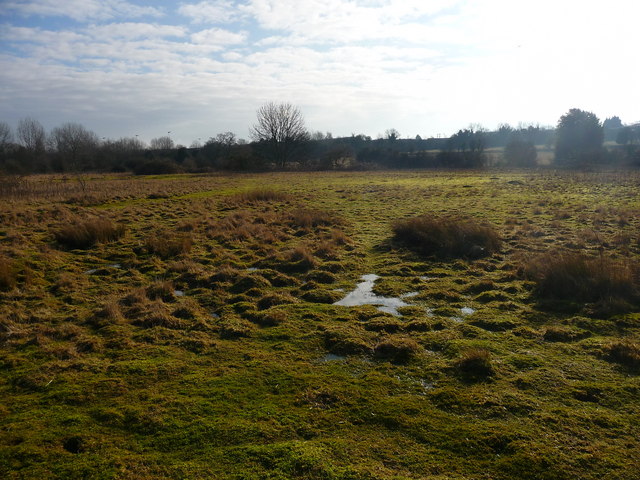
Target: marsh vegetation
{"type": "Point", "coordinates": [186, 326]}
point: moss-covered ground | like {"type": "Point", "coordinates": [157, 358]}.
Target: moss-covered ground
{"type": "Point", "coordinates": [204, 343]}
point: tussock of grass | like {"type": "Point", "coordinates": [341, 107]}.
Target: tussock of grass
{"type": "Point", "coordinates": [311, 218]}
{"type": "Point", "coordinates": [446, 236]}
{"type": "Point", "coordinates": [8, 278]}
{"type": "Point", "coordinates": [475, 364]}
{"type": "Point", "coordinates": [578, 278]}
{"type": "Point", "coordinates": [168, 245]}
{"type": "Point", "coordinates": [86, 233]}
{"type": "Point", "coordinates": [625, 352]}
{"type": "Point", "coordinates": [397, 349]}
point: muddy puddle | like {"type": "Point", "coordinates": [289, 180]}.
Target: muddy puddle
{"type": "Point", "coordinates": [363, 295]}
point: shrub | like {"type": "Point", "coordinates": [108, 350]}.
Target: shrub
{"type": "Point", "coordinates": [447, 236]}
{"type": "Point", "coordinates": [520, 153]}
{"type": "Point", "coordinates": [475, 363]}
{"type": "Point", "coordinates": [86, 233]}
{"type": "Point", "coordinates": [160, 166]}
{"type": "Point", "coordinates": [579, 278]}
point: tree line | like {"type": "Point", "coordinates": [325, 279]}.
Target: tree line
{"type": "Point", "coordinates": [281, 140]}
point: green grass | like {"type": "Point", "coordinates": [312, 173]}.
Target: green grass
{"type": "Point", "coordinates": [195, 344]}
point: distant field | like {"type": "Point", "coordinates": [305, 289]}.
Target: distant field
{"type": "Point", "coordinates": [184, 327]}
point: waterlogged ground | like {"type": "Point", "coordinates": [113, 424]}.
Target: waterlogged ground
{"type": "Point", "coordinates": [215, 337]}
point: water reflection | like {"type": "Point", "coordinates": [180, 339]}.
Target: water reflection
{"type": "Point", "coordinates": [363, 295]}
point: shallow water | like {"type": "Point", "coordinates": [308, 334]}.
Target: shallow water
{"type": "Point", "coordinates": [178, 293]}
{"type": "Point", "coordinates": [467, 311]}
{"type": "Point", "coordinates": [464, 312]}
{"type": "Point", "coordinates": [363, 295]}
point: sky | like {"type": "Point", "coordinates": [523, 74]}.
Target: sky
{"type": "Point", "coordinates": [424, 67]}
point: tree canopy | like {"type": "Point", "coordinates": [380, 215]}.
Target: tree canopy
{"type": "Point", "coordinates": [280, 128]}
{"type": "Point", "coordinates": [579, 138]}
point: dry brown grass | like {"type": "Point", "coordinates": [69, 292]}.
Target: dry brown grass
{"type": "Point", "coordinates": [8, 277]}
{"type": "Point", "coordinates": [169, 244]}
{"type": "Point", "coordinates": [446, 236]}
{"type": "Point", "coordinates": [579, 278]}
{"type": "Point", "coordinates": [262, 195]}
{"type": "Point", "coordinates": [625, 352]}
{"type": "Point", "coordinates": [88, 232]}
{"type": "Point", "coordinates": [475, 363]}
{"type": "Point", "coordinates": [311, 218]}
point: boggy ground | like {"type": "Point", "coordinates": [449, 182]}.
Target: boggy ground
{"type": "Point", "coordinates": [183, 327]}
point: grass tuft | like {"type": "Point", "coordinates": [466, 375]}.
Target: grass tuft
{"type": "Point", "coordinates": [86, 233]}
{"type": "Point", "coordinates": [446, 236]}
{"type": "Point", "coordinates": [475, 364]}
{"type": "Point", "coordinates": [397, 349]}
{"type": "Point", "coordinates": [8, 278]}
{"type": "Point", "coordinates": [168, 245]}
{"type": "Point", "coordinates": [576, 277]}
{"type": "Point", "coordinates": [625, 352]}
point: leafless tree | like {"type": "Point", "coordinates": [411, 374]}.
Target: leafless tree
{"type": "Point", "coordinates": [31, 134]}
{"type": "Point", "coordinates": [6, 137]}
{"type": "Point", "coordinates": [161, 143]}
{"type": "Point", "coordinates": [281, 129]}
{"type": "Point", "coordinates": [74, 143]}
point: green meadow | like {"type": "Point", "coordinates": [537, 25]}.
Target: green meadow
{"type": "Point", "coordinates": [184, 326]}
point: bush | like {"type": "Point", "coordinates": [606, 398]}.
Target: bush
{"type": "Point", "coordinates": [520, 153]}
{"type": "Point", "coordinates": [86, 233]}
{"type": "Point", "coordinates": [578, 278]}
{"type": "Point", "coordinates": [447, 237]}
{"type": "Point", "coordinates": [156, 167]}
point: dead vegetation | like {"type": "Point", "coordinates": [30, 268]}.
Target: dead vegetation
{"type": "Point", "coordinates": [446, 236]}
{"type": "Point", "coordinates": [575, 277]}
{"type": "Point", "coordinates": [85, 233]}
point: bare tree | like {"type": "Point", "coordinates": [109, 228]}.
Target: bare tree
{"type": "Point", "coordinates": [161, 143]}
{"type": "Point", "coordinates": [75, 144]}
{"type": "Point", "coordinates": [31, 134]}
{"type": "Point", "coordinates": [281, 129]}
{"type": "Point", "coordinates": [6, 137]}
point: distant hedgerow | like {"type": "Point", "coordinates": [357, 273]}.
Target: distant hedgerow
{"type": "Point", "coordinates": [446, 236]}
{"type": "Point", "coordinates": [86, 233]}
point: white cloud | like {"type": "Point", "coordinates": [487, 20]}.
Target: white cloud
{"type": "Point", "coordinates": [129, 30]}
{"type": "Point", "coordinates": [357, 66]}
{"type": "Point", "coordinates": [81, 10]}
{"type": "Point", "coordinates": [211, 11]}
{"type": "Point", "coordinates": [218, 36]}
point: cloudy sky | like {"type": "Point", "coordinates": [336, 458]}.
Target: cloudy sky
{"type": "Point", "coordinates": [428, 67]}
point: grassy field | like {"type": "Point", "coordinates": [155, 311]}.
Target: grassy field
{"type": "Point", "coordinates": [184, 327]}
